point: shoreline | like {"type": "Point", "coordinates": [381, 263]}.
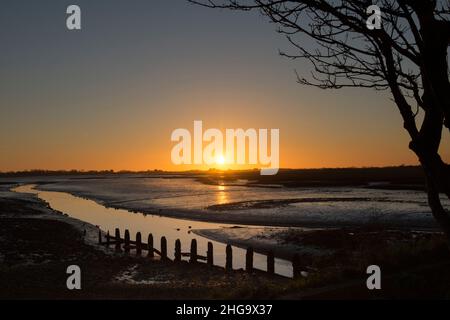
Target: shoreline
{"type": "Point", "coordinates": [243, 241]}
{"type": "Point", "coordinates": [336, 259]}
{"type": "Point", "coordinates": [241, 218]}
{"type": "Point", "coordinates": [89, 230]}
{"type": "Point", "coordinates": [38, 243]}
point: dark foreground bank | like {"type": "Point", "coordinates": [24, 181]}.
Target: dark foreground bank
{"type": "Point", "coordinates": [38, 244]}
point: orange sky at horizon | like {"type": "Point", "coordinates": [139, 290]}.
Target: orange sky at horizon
{"type": "Point", "coordinates": [108, 97]}
{"type": "Point", "coordinates": [324, 137]}
{"type": "Point", "coordinates": [136, 156]}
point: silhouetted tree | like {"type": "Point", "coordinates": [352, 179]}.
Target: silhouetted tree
{"type": "Point", "coordinates": [408, 56]}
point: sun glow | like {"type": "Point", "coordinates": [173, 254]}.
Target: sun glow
{"type": "Point", "coordinates": [220, 160]}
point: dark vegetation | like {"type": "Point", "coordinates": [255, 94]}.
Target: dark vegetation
{"type": "Point", "coordinates": [399, 177]}
{"type": "Point", "coordinates": [402, 177]}
{"type": "Point", "coordinates": [414, 265]}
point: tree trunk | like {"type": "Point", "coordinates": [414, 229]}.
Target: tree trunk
{"type": "Point", "coordinates": [436, 99]}
{"type": "Point", "coordinates": [439, 213]}
{"type": "Point", "coordinates": [436, 175]}
{"type": "Point", "coordinates": [433, 177]}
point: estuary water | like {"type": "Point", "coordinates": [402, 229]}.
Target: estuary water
{"type": "Point", "coordinates": [263, 205]}
{"type": "Point", "coordinates": [110, 218]}
{"type": "Point", "coordinates": [175, 206]}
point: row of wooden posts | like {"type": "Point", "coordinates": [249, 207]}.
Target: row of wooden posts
{"type": "Point", "coordinates": [193, 255]}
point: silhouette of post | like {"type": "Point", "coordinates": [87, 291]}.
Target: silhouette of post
{"type": "Point", "coordinates": [270, 262]}
{"type": "Point", "coordinates": [151, 253]}
{"type": "Point", "coordinates": [210, 255]}
{"type": "Point", "coordinates": [108, 239]}
{"type": "Point", "coordinates": [117, 238]}
{"type": "Point", "coordinates": [177, 250]}
{"type": "Point", "coordinates": [296, 266]}
{"type": "Point", "coordinates": [193, 251]}
{"type": "Point", "coordinates": [127, 241]}
{"type": "Point", "coordinates": [99, 236]}
{"type": "Point", "coordinates": [229, 258]}
{"type": "Point", "coordinates": [138, 244]}
{"type": "Point", "coordinates": [249, 260]}
{"type": "Point", "coordinates": [163, 248]}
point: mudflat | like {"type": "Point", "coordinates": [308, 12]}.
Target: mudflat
{"type": "Point", "coordinates": [38, 244]}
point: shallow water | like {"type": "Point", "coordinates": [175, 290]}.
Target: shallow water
{"type": "Point", "coordinates": [185, 196]}
{"type": "Point", "coordinates": [110, 218]}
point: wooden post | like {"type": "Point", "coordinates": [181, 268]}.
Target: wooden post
{"type": "Point", "coordinates": [151, 253]}
{"type": "Point", "coordinates": [210, 255]}
{"type": "Point", "coordinates": [177, 250]}
{"type": "Point", "coordinates": [127, 241]}
{"type": "Point", "coordinates": [138, 244]}
{"type": "Point", "coordinates": [163, 248]}
{"type": "Point", "coordinates": [296, 266]}
{"type": "Point", "coordinates": [99, 236]}
{"type": "Point", "coordinates": [193, 251]}
{"type": "Point", "coordinates": [249, 260]}
{"type": "Point", "coordinates": [107, 239]}
{"type": "Point", "coordinates": [270, 262]}
{"type": "Point", "coordinates": [229, 258]}
{"type": "Point", "coordinates": [117, 236]}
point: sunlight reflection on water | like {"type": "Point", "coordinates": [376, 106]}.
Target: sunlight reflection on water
{"type": "Point", "coordinates": [110, 218]}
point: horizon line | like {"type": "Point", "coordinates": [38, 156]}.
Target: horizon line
{"type": "Point", "coordinates": [112, 171]}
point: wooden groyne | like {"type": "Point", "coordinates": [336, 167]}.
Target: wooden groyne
{"type": "Point", "coordinates": [142, 249]}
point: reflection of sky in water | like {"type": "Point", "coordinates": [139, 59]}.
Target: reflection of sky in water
{"type": "Point", "coordinates": [109, 219]}
{"type": "Point", "coordinates": [189, 194]}
{"type": "Point", "coordinates": [221, 195]}
{"type": "Point", "coordinates": [403, 207]}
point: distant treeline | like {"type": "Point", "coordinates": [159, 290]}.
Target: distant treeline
{"type": "Point", "coordinates": [68, 172]}
{"type": "Point", "coordinates": [401, 177]}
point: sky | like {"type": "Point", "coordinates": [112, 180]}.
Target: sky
{"type": "Point", "coordinates": [109, 96]}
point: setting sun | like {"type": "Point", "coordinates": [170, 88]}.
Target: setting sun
{"type": "Point", "coordinates": [220, 160]}
{"type": "Point", "coordinates": [259, 151]}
